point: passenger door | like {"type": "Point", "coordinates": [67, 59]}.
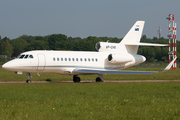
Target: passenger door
{"type": "Point", "coordinates": [41, 62]}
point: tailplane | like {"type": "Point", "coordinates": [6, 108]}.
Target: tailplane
{"type": "Point", "coordinates": [130, 43]}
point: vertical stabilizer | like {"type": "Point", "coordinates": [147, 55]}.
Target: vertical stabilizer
{"type": "Point", "coordinates": [133, 37]}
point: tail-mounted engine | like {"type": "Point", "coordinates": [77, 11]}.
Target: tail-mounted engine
{"type": "Point", "coordinates": [117, 58]}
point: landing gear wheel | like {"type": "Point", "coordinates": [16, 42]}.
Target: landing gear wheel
{"type": "Point", "coordinates": [98, 79]}
{"type": "Point", "coordinates": [28, 81]}
{"type": "Point", "coordinates": [76, 78]}
{"type": "Point", "coordinates": [28, 78]}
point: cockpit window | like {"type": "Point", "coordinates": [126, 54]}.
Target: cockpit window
{"type": "Point", "coordinates": [21, 57]}
{"type": "Point", "coordinates": [30, 56]}
{"type": "Point", "coordinates": [26, 56]}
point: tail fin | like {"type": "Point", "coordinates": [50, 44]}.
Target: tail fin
{"type": "Point", "coordinates": [134, 34]}
{"type": "Point", "coordinates": [133, 37]}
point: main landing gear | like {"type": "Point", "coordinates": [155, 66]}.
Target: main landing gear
{"type": "Point", "coordinates": [28, 78]}
{"type": "Point", "coordinates": [100, 78]}
{"type": "Point", "coordinates": [77, 79]}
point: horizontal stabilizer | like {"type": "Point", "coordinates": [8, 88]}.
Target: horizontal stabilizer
{"type": "Point", "coordinates": [146, 44]}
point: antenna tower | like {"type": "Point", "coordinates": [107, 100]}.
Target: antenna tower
{"type": "Point", "coordinates": [159, 32]}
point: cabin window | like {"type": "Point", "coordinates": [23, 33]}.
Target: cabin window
{"type": "Point", "coordinates": [26, 56]}
{"type": "Point", "coordinates": [81, 59]}
{"type": "Point", "coordinates": [21, 57]}
{"type": "Point", "coordinates": [30, 56]}
{"type": "Point", "coordinates": [54, 59]}
{"type": "Point", "coordinates": [69, 59]}
{"type": "Point", "coordinates": [85, 59]}
{"type": "Point", "coordinates": [72, 59]}
{"type": "Point", "coordinates": [65, 59]}
{"type": "Point", "coordinates": [89, 59]}
{"type": "Point", "coordinates": [61, 59]}
{"type": "Point", "coordinates": [93, 59]}
{"type": "Point", "coordinates": [57, 59]}
{"type": "Point", "coordinates": [76, 59]}
{"type": "Point", "coordinates": [96, 59]}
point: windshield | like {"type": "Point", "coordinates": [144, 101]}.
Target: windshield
{"type": "Point", "coordinates": [22, 56]}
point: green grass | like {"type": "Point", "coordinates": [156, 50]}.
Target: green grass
{"type": "Point", "coordinates": [170, 75]}
{"type": "Point", "coordinates": [81, 101]}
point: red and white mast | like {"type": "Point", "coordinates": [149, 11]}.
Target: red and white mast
{"type": "Point", "coordinates": [175, 47]}
{"type": "Point", "coordinates": [172, 35]}
{"type": "Point", "coordinates": [169, 18]}
{"type": "Point", "coordinates": [173, 40]}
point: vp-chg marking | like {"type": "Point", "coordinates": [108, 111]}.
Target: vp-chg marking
{"type": "Point", "coordinates": [111, 47]}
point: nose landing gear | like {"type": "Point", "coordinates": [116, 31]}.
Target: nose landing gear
{"type": "Point", "coordinates": [28, 78]}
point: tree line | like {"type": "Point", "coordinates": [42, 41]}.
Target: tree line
{"type": "Point", "coordinates": [13, 47]}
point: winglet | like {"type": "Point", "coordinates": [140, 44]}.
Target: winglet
{"type": "Point", "coordinates": [168, 66]}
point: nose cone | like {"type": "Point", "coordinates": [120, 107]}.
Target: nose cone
{"type": "Point", "coordinates": [6, 66]}
{"type": "Point", "coordinates": [9, 66]}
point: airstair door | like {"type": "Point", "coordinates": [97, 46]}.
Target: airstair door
{"type": "Point", "coordinates": [41, 62]}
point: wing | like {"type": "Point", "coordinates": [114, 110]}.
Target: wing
{"type": "Point", "coordinates": [111, 71]}
{"type": "Point", "coordinates": [169, 65]}
{"type": "Point", "coordinates": [103, 71]}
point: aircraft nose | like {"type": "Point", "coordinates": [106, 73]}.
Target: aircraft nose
{"type": "Point", "coordinates": [5, 66]}
{"type": "Point", "coordinates": [8, 66]}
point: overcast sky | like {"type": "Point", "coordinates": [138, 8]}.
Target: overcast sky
{"type": "Point", "coordinates": [83, 18]}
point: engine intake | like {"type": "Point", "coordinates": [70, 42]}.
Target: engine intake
{"type": "Point", "coordinates": [98, 46]}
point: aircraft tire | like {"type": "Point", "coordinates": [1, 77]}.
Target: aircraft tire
{"type": "Point", "coordinates": [76, 79]}
{"type": "Point", "coordinates": [98, 79]}
{"type": "Point", "coordinates": [28, 81]}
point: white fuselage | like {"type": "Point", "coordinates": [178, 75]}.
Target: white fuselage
{"type": "Point", "coordinates": [64, 62]}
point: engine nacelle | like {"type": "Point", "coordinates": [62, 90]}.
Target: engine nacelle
{"type": "Point", "coordinates": [117, 58]}
{"type": "Point", "coordinates": [105, 46]}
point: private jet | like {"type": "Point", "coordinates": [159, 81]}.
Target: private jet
{"type": "Point", "coordinates": [110, 58]}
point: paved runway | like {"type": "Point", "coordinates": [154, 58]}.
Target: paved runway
{"type": "Point", "coordinates": [106, 81]}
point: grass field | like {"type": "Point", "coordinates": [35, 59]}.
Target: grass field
{"type": "Point", "coordinates": [90, 101]}
{"type": "Point", "coordinates": [51, 101]}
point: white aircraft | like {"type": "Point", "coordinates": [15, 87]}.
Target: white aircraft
{"type": "Point", "coordinates": [110, 58]}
